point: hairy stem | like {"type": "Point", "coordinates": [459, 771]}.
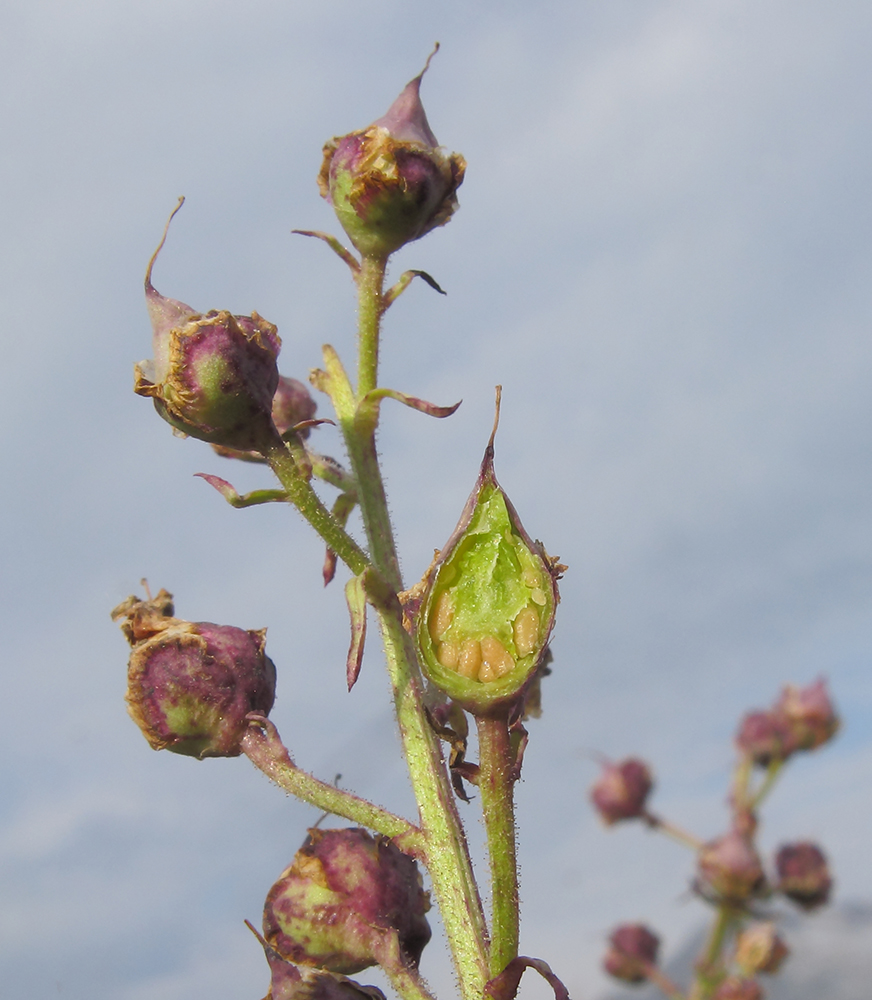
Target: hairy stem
{"type": "Point", "coordinates": [309, 504]}
{"type": "Point", "coordinates": [446, 852]}
{"type": "Point", "coordinates": [263, 747]}
{"type": "Point", "coordinates": [496, 781]}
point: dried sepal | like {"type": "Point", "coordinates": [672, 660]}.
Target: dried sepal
{"type": "Point", "coordinates": [505, 985]}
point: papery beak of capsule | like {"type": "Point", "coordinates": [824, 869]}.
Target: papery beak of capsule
{"type": "Point", "coordinates": [213, 375]}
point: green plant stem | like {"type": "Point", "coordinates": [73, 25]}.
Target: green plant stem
{"type": "Point", "coordinates": [407, 983]}
{"type": "Point", "coordinates": [772, 772]}
{"type": "Point", "coordinates": [707, 966]}
{"type": "Point", "coordinates": [666, 986]}
{"type": "Point", "coordinates": [447, 853]}
{"type": "Point", "coordinates": [263, 747]}
{"type": "Point", "coordinates": [370, 308]}
{"type": "Point", "coordinates": [307, 501]}
{"type": "Point", "coordinates": [673, 831]}
{"type": "Point", "coordinates": [741, 777]}
{"type": "Point", "coordinates": [404, 978]}
{"type": "Point", "coordinates": [496, 781]}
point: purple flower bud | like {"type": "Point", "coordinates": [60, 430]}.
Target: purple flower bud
{"type": "Point", "coordinates": [622, 790]}
{"type": "Point", "coordinates": [390, 183]}
{"type": "Point", "coordinates": [736, 988]}
{"type": "Point", "coordinates": [760, 949]}
{"type": "Point", "coordinates": [190, 685]}
{"type": "Point", "coordinates": [213, 376]}
{"type": "Point", "coordinates": [730, 869]}
{"type": "Point", "coordinates": [291, 405]}
{"type": "Point", "coordinates": [765, 736]}
{"type": "Point", "coordinates": [803, 874]}
{"type": "Point", "coordinates": [809, 714]}
{"type": "Point", "coordinates": [632, 948]}
{"type": "Point", "coordinates": [345, 901]}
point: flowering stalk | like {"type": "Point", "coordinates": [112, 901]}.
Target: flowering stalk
{"type": "Point", "coordinates": [496, 781]}
{"type": "Point", "coordinates": [446, 851]}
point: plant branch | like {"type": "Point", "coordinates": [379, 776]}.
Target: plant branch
{"type": "Point", "coordinates": [309, 504]}
{"type": "Point", "coordinates": [264, 748]}
{"type": "Point", "coordinates": [673, 831]}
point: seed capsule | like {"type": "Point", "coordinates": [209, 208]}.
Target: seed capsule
{"type": "Point", "coordinates": [489, 600]}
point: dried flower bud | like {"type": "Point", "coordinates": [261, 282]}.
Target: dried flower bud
{"type": "Point", "coordinates": [765, 736]}
{"type": "Point", "coordinates": [736, 988]}
{"type": "Point", "coordinates": [390, 183]}
{"type": "Point", "coordinates": [730, 869]}
{"type": "Point", "coordinates": [213, 376]}
{"type": "Point", "coordinates": [292, 404]}
{"type": "Point", "coordinates": [622, 790]}
{"type": "Point", "coordinates": [632, 948]}
{"type": "Point", "coordinates": [190, 685]}
{"type": "Point", "coordinates": [803, 874]}
{"type": "Point", "coordinates": [489, 602]}
{"type": "Point", "coordinates": [344, 901]}
{"type": "Point", "coordinates": [808, 714]}
{"type": "Point", "coordinates": [760, 949]}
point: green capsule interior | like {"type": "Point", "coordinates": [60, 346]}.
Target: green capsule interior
{"type": "Point", "coordinates": [489, 608]}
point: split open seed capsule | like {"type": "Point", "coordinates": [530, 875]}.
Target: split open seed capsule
{"type": "Point", "coordinates": [489, 602]}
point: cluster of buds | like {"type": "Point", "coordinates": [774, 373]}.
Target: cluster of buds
{"type": "Point", "coordinates": [801, 719]}
{"type": "Point", "coordinates": [190, 685]}
{"type": "Point", "coordinates": [730, 874]}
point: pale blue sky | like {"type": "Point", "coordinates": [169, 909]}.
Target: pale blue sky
{"type": "Point", "coordinates": [663, 254]}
